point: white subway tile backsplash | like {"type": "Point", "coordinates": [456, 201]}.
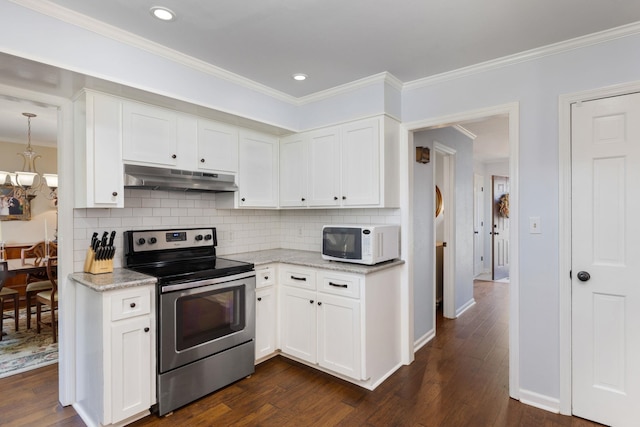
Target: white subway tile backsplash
{"type": "Point", "coordinates": [239, 230]}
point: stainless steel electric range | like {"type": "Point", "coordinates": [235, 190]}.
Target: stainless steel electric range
{"type": "Point", "coordinates": [206, 312]}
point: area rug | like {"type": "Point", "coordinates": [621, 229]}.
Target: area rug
{"type": "Point", "coordinates": [24, 350]}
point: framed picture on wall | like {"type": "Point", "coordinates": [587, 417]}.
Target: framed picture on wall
{"type": "Point", "coordinates": [14, 205]}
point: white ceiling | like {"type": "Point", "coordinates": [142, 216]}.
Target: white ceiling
{"type": "Point", "coordinates": [337, 41]}
{"type": "Point", "coordinates": [14, 126]}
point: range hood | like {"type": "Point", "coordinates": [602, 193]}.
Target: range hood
{"type": "Point", "coordinates": [177, 180]}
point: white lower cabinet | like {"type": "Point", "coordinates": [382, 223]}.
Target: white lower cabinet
{"type": "Point", "coordinates": [343, 323]}
{"type": "Point", "coordinates": [115, 359]}
{"type": "Point", "coordinates": [299, 323]}
{"type": "Point", "coordinates": [266, 312]}
{"type": "Point", "coordinates": [323, 326]}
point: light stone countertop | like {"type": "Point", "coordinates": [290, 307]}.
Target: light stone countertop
{"type": "Point", "coordinates": [308, 259]}
{"type": "Point", "coordinates": [121, 278]}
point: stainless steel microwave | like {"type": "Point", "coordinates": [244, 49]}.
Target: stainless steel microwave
{"type": "Point", "coordinates": [361, 244]}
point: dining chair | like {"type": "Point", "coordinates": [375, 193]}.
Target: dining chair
{"type": "Point", "coordinates": [50, 298]}
{"type": "Point", "coordinates": [36, 282]}
{"type": "Point", "coordinates": [5, 294]}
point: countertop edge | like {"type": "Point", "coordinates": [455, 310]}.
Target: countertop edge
{"type": "Point", "coordinates": [308, 259]}
{"type": "Point", "coordinates": [121, 278]}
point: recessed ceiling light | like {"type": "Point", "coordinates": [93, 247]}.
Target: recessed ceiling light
{"type": "Point", "coordinates": [300, 77]}
{"type": "Point", "coordinates": [162, 13]}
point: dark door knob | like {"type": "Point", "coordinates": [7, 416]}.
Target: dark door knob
{"type": "Point", "coordinates": [583, 276]}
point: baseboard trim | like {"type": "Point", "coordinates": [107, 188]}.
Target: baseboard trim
{"type": "Point", "coordinates": [423, 340]}
{"type": "Point", "coordinates": [465, 307]}
{"type": "Point", "coordinates": [540, 401]}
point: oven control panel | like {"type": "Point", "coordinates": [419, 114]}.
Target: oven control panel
{"type": "Point", "coordinates": [155, 240]}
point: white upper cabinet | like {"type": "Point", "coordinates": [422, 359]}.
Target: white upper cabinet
{"type": "Point", "coordinates": [98, 151]}
{"type": "Point", "coordinates": [150, 134]}
{"type": "Point", "coordinates": [257, 173]}
{"type": "Point", "coordinates": [352, 165]}
{"type": "Point", "coordinates": [294, 162]}
{"type": "Point", "coordinates": [217, 147]}
{"type": "Point", "coordinates": [360, 153]}
{"type": "Point", "coordinates": [324, 167]}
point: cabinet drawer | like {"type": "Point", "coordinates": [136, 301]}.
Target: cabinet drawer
{"type": "Point", "coordinates": [265, 276]}
{"type": "Point", "coordinates": [298, 277]}
{"type": "Point", "coordinates": [130, 303]}
{"type": "Point", "coordinates": [339, 284]}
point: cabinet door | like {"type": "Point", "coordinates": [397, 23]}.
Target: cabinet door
{"type": "Point", "coordinates": [298, 316]}
{"type": "Point", "coordinates": [339, 335]}
{"type": "Point", "coordinates": [217, 147]}
{"type": "Point", "coordinates": [258, 170]}
{"type": "Point", "coordinates": [324, 167]}
{"type": "Point", "coordinates": [150, 134]}
{"type": "Point", "coordinates": [293, 171]}
{"type": "Point", "coordinates": [104, 173]}
{"type": "Point", "coordinates": [130, 373]}
{"type": "Point", "coordinates": [265, 322]}
{"type": "Point", "coordinates": [361, 163]}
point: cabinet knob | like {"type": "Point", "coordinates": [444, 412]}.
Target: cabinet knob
{"type": "Point", "coordinates": [259, 298]}
{"type": "Point", "coordinates": [114, 194]}
{"type": "Point", "coordinates": [201, 160]}
{"type": "Point", "coordinates": [303, 199]}
{"type": "Point", "coordinates": [335, 197]}
{"type": "Point", "coordinates": [173, 156]}
{"type": "Point", "coordinates": [266, 277]}
{"type": "Point", "coordinates": [344, 197]}
{"type": "Point", "coordinates": [132, 305]}
{"type": "Point", "coordinates": [146, 329]}
{"type": "Point", "coordinates": [243, 199]}
{"type": "Point", "coordinates": [319, 303]}
{"type": "Point", "coordinates": [310, 301]}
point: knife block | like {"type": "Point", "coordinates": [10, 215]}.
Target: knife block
{"type": "Point", "coordinates": [94, 266]}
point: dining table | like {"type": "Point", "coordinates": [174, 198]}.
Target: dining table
{"type": "Point", "coordinates": [26, 266]}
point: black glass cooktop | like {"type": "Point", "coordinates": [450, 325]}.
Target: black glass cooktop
{"type": "Point", "coordinates": [190, 270]}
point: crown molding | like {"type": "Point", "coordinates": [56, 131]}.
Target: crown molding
{"type": "Point", "coordinates": [528, 55]}
{"type": "Point", "coordinates": [74, 18]}
{"type": "Point", "coordinates": [384, 77]}
{"type": "Point", "coordinates": [466, 132]}
{"type": "Point", "coordinates": [77, 19]}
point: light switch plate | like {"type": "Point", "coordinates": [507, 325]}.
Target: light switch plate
{"type": "Point", "coordinates": [534, 225]}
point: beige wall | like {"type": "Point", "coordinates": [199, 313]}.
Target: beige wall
{"type": "Point", "coordinates": [42, 209]}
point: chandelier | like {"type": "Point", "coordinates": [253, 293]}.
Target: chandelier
{"type": "Point", "coordinates": [28, 182]}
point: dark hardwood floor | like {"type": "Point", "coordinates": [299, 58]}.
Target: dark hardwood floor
{"type": "Point", "coordinates": [459, 379]}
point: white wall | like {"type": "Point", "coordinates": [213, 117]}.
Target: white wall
{"type": "Point", "coordinates": [536, 85]}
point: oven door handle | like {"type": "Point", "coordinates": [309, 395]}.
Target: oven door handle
{"type": "Point", "coordinates": [197, 284]}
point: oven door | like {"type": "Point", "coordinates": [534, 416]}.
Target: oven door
{"type": "Point", "coordinates": [199, 319]}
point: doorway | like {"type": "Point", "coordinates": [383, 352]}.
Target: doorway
{"type": "Point", "coordinates": [412, 235]}
{"type": "Point", "coordinates": [62, 118]}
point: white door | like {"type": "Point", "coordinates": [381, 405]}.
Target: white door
{"type": "Point", "coordinates": [478, 224]}
{"type": "Point", "coordinates": [605, 148]}
{"type": "Point", "coordinates": [500, 227]}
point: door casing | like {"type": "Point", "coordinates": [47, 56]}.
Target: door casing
{"type": "Point", "coordinates": [407, 216]}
